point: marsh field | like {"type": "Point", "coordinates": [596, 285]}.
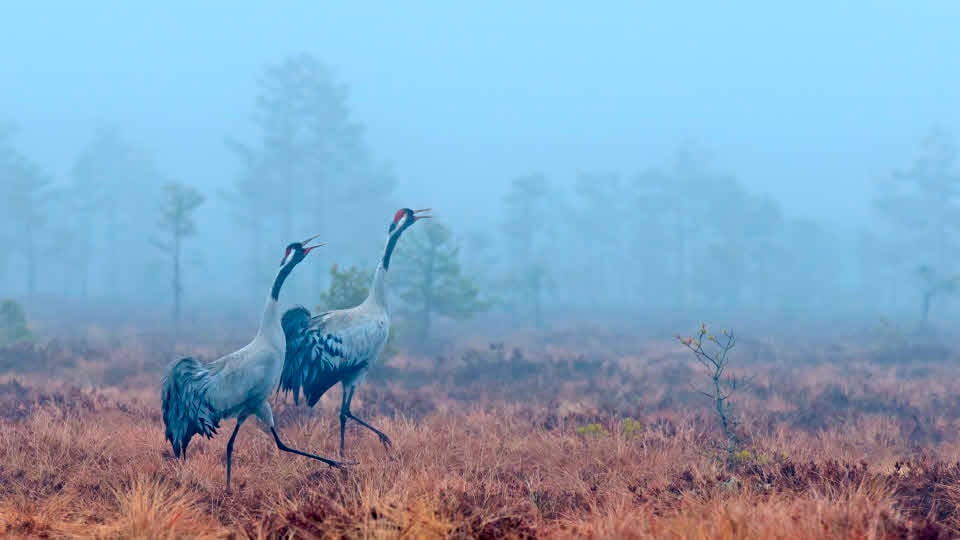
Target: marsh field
{"type": "Point", "coordinates": [568, 432]}
{"type": "Point", "coordinates": [582, 185]}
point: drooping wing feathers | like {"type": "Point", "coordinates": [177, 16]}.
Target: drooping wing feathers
{"type": "Point", "coordinates": [186, 410]}
{"type": "Point", "coordinates": [320, 353]}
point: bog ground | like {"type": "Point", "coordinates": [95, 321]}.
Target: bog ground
{"type": "Point", "coordinates": [553, 435]}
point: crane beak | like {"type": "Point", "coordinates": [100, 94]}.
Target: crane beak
{"type": "Point", "coordinates": [313, 247]}
{"type": "Point", "coordinates": [307, 249]}
{"type": "Point", "coordinates": [416, 217]}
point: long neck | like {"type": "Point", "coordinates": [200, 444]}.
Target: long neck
{"type": "Point", "coordinates": [281, 277]}
{"type": "Point", "coordinates": [378, 289]}
{"type": "Point", "coordinates": [271, 311]}
{"type": "Point", "coordinates": [388, 249]}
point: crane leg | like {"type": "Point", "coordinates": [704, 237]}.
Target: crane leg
{"type": "Point", "coordinates": [343, 418]}
{"type": "Point", "coordinates": [286, 448]}
{"type": "Point", "coordinates": [233, 437]}
{"type": "Point", "coordinates": [345, 413]}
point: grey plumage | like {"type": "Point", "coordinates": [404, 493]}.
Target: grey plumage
{"type": "Point", "coordinates": [341, 346]}
{"type": "Point", "coordinates": [186, 411]}
{"type": "Point", "coordinates": [315, 361]}
{"type": "Point", "coordinates": [195, 397]}
{"type": "Point", "coordinates": [332, 347]}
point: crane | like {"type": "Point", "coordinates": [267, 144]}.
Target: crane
{"type": "Point", "coordinates": [340, 346]}
{"type": "Point", "coordinates": [195, 396]}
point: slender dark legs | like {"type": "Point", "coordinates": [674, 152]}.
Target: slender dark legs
{"type": "Point", "coordinates": [266, 416]}
{"type": "Point", "coordinates": [345, 413]}
{"type": "Point", "coordinates": [233, 437]}
{"type": "Point", "coordinates": [344, 406]}
{"type": "Point", "coordinates": [286, 448]}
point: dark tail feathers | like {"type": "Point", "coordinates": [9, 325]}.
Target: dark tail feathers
{"type": "Point", "coordinates": [314, 362]}
{"type": "Point", "coordinates": [186, 411]}
{"type": "Point", "coordinates": [296, 327]}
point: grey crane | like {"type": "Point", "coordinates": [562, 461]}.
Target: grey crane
{"type": "Point", "coordinates": [340, 346]}
{"type": "Point", "coordinates": [195, 396]}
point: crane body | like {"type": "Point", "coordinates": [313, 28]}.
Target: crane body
{"type": "Point", "coordinates": [341, 346]}
{"type": "Point", "coordinates": [196, 397]}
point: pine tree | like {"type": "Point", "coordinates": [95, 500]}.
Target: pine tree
{"type": "Point", "coordinates": [113, 184]}
{"type": "Point", "coordinates": [310, 158]}
{"type": "Point", "coordinates": [934, 285]}
{"type": "Point", "coordinates": [429, 279]}
{"type": "Point", "coordinates": [23, 206]}
{"type": "Point", "coordinates": [528, 229]}
{"type": "Point", "coordinates": [348, 288]}
{"type": "Point", "coordinates": [176, 224]}
{"type": "Point", "coordinates": [921, 208]}
{"type": "Point", "coordinates": [13, 323]}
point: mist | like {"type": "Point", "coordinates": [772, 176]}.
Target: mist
{"type": "Point", "coordinates": [479, 270]}
{"type": "Point", "coordinates": [679, 161]}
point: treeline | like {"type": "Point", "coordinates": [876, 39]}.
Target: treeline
{"type": "Point", "coordinates": [683, 237]}
{"type": "Point", "coordinates": [677, 238]}
{"type": "Point", "coordinates": [117, 226]}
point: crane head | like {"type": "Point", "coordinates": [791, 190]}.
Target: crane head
{"type": "Point", "coordinates": [296, 251]}
{"type": "Point", "coordinates": [406, 217]}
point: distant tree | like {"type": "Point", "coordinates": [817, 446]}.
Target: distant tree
{"type": "Point", "coordinates": [348, 288]}
{"type": "Point", "coordinates": [6, 234]}
{"type": "Point", "coordinates": [530, 282]}
{"type": "Point", "coordinates": [13, 323]}
{"type": "Point", "coordinates": [920, 208]}
{"type": "Point", "coordinates": [876, 270]}
{"type": "Point", "coordinates": [177, 224]}
{"type": "Point", "coordinates": [673, 202]}
{"type": "Point", "coordinates": [479, 253]}
{"type": "Point", "coordinates": [529, 208]}
{"type": "Point", "coordinates": [761, 225]}
{"type": "Point", "coordinates": [113, 184]}
{"type": "Point", "coordinates": [429, 279]}
{"type": "Point", "coordinates": [253, 203]}
{"type": "Point", "coordinates": [306, 127]}
{"type": "Point", "coordinates": [310, 159]}
{"type": "Point", "coordinates": [933, 285]}
{"type": "Point", "coordinates": [740, 241]}
{"type": "Point", "coordinates": [809, 258]}
{"type": "Point", "coordinates": [602, 224]}
{"type": "Point", "coordinates": [23, 206]}
{"type": "Point", "coordinates": [689, 229]}
{"type": "Point", "coordinates": [652, 244]}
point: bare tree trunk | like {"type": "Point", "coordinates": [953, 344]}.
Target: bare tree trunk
{"type": "Point", "coordinates": [537, 308]}
{"type": "Point", "coordinates": [177, 288]}
{"type": "Point", "coordinates": [84, 275]}
{"type": "Point", "coordinates": [85, 256]}
{"type": "Point", "coordinates": [111, 228]}
{"type": "Point", "coordinates": [31, 254]}
{"type": "Point", "coordinates": [722, 412]}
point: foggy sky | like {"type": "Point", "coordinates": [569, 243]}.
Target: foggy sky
{"type": "Point", "coordinates": [807, 102]}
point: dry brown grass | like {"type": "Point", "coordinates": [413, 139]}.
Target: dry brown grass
{"type": "Point", "coordinates": [486, 444]}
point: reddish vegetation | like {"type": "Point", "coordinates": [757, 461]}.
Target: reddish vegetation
{"type": "Point", "coordinates": [498, 442]}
